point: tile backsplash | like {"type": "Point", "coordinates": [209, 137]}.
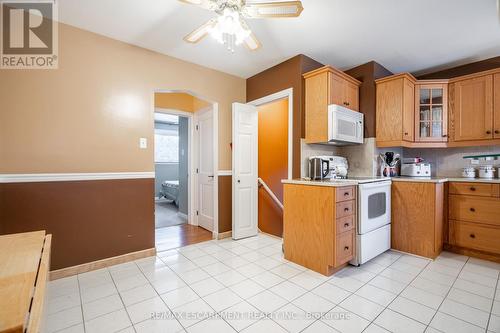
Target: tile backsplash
{"type": "Point", "coordinates": [449, 162]}
{"type": "Point", "coordinates": [364, 161]}
{"type": "Point", "coordinates": [308, 150]}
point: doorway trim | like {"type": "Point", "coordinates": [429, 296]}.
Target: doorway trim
{"type": "Point", "coordinates": [287, 93]}
{"type": "Point", "coordinates": [189, 116]}
{"type": "Point", "coordinates": [215, 110]}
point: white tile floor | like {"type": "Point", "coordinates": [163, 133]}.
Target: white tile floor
{"type": "Point", "coordinates": [228, 286]}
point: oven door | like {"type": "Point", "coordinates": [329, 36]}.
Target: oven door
{"type": "Point", "coordinates": [374, 206]}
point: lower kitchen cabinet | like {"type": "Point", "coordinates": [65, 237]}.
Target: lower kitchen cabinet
{"type": "Point", "coordinates": [417, 217]}
{"type": "Point", "coordinates": [474, 219]}
{"type": "Point", "coordinates": [319, 226]}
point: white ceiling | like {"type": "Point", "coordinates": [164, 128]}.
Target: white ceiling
{"type": "Point", "coordinates": [402, 35]}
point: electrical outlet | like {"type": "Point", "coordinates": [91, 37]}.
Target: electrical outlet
{"type": "Point", "coordinates": [143, 143]}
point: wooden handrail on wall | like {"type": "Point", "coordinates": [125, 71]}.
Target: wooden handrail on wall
{"type": "Point", "coordinates": [271, 194]}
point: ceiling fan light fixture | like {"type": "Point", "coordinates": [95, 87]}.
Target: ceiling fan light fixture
{"type": "Point", "coordinates": [229, 29]}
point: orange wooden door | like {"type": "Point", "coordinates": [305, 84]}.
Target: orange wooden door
{"type": "Point", "coordinates": [273, 163]}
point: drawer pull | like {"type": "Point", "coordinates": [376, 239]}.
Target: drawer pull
{"type": "Point", "coordinates": [346, 248]}
{"type": "Point", "coordinates": [346, 194]}
{"type": "Point", "coordinates": [488, 132]}
{"type": "Point", "coordinates": [472, 209]}
{"type": "Point", "coordinates": [472, 189]}
{"type": "Point", "coordinates": [346, 225]}
{"type": "Point", "coordinates": [346, 209]}
{"type": "Point", "coordinates": [472, 236]}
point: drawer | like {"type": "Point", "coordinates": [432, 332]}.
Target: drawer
{"type": "Point", "coordinates": [345, 224]}
{"type": "Point", "coordinates": [345, 193]}
{"type": "Point", "coordinates": [475, 236]}
{"type": "Point", "coordinates": [474, 209]}
{"type": "Point", "coordinates": [344, 248]}
{"type": "Point", "coordinates": [474, 189]}
{"type": "Point", "coordinates": [344, 208]}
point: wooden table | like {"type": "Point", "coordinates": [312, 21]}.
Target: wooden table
{"type": "Point", "coordinates": [24, 265]}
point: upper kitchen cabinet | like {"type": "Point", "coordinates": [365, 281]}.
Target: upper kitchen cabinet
{"type": "Point", "coordinates": [471, 108]}
{"type": "Point", "coordinates": [431, 111]}
{"type": "Point", "coordinates": [496, 106]}
{"type": "Point", "coordinates": [325, 86]}
{"type": "Point", "coordinates": [395, 115]}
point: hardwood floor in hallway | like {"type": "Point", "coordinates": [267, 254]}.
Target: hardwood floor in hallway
{"type": "Point", "coordinates": [169, 238]}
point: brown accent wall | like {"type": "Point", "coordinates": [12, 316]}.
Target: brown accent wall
{"type": "Point", "coordinates": [466, 69]}
{"type": "Point", "coordinates": [273, 163]}
{"type": "Point", "coordinates": [367, 74]}
{"type": "Point", "coordinates": [88, 220]}
{"type": "Point", "coordinates": [225, 204]}
{"type": "Point", "coordinates": [287, 74]}
{"type": "Point", "coordinates": [88, 115]}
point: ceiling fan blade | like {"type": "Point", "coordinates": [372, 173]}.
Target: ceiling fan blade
{"type": "Point", "coordinates": [273, 9]}
{"type": "Point", "coordinates": [200, 32]}
{"type": "Point", "coordinates": [207, 4]}
{"type": "Point", "coordinates": [252, 42]}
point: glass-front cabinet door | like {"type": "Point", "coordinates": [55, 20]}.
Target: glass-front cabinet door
{"type": "Point", "coordinates": [431, 112]}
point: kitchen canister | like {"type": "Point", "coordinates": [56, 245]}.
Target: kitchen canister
{"type": "Point", "coordinates": [469, 172]}
{"type": "Point", "coordinates": [486, 171]}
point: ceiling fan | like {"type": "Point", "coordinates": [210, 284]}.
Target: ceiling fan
{"type": "Point", "coordinates": [229, 27]}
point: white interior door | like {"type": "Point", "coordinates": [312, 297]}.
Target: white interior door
{"type": "Point", "coordinates": [205, 172]}
{"type": "Point", "coordinates": [245, 170]}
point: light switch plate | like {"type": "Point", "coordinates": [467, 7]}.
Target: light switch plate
{"type": "Point", "coordinates": [143, 143]}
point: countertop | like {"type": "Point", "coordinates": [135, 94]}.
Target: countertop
{"type": "Point", "coordinates": [363, 180]}
{"type": "Point", "coordinates": [335, 182]}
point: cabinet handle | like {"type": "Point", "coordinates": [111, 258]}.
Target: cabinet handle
{"type": "Point", "coordinates": [346, 248]}
{"type": "Point", "coordinates": [497, 132]}
{"type": "Point", "coordinates": [472, 236]}
{"type": "Point", "coordinates": [346, 194]}
{"type": "Point", "coordinates": [346, 225]}
{"type": "Point", "coordinates": [346, 209]}
{"type": "Point", "coordinates": [472, 209]}
{"type": "Point", "coordinates": [472, 189]}
{"type": "Point", "coordinates": [347, 103]}
{"type": "Point", "coordinates": [488, 132]}
{"type": "Point", "coordinates": [239, 181]}
{"type": "Point", "coordinates": [406, 133]}
{"type": "Point", "coordinates": [444, 135]}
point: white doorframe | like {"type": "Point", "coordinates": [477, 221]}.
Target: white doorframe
{"type": "Point", "coordinates": [191, 184]}
{"type": "Point", "coordinates": [215, 106]}
{"type": "Point", "coordinates": [287, 93]}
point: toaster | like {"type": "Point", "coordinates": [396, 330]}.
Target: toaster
{"type": "Point", "coordinates": [416, 170]}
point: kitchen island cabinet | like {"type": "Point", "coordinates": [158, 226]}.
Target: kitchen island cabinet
{"type": "Point", "coordinates": [319, 226]}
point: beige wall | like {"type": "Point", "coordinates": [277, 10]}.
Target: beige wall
{"type": "Point", "coordinates": [88, 115]}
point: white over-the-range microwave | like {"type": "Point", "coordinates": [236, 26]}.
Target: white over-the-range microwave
{"type": "Point", "coordinates": [345, 126]}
